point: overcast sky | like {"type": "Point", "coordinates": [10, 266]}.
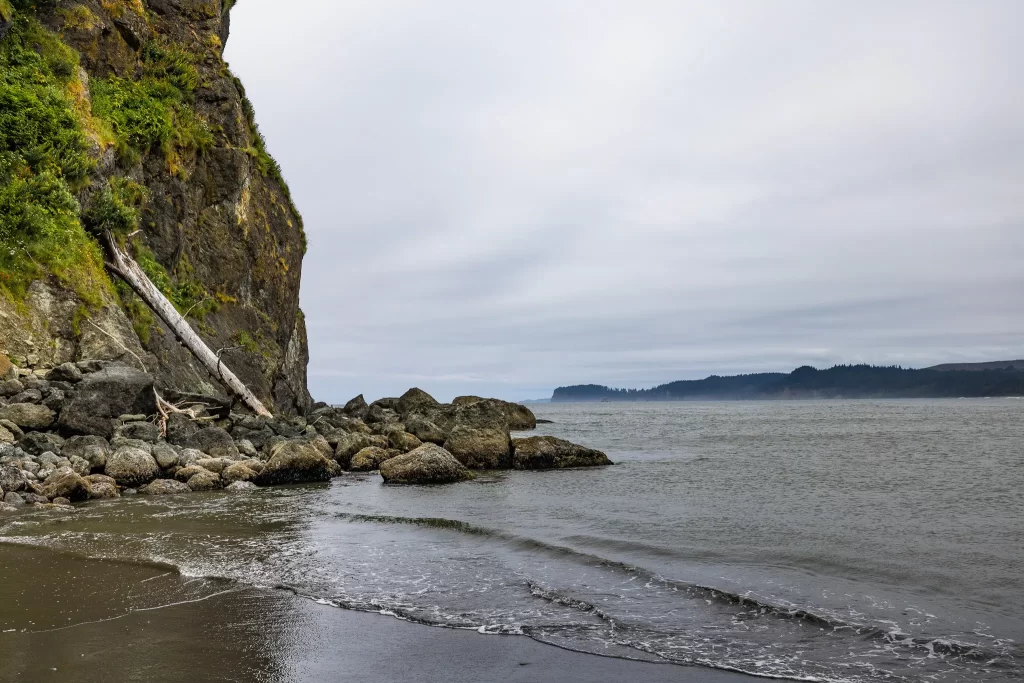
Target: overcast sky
{"type": "Point", "coordinates": [504, 197]}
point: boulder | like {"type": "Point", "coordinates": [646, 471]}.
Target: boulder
{"type": "Point", "coordinates": [487, 448]}
{"type": "Point", "coordinates": [351, 444]}
{"type": "Point", "coordinates": [131, 467]}
{"type": "Point", "coordinates": [141, 431]}
{"type": "Point", "coordinates": [424, 430]}
{"type": "Point", "coordinates": [27, 415]}
{"type": "Point", "coordinates": [66, 372]}
{"type": "Point", "coordinates": [11, 387]}
{"type": "Point", "coordinates": [356, 407]}
{"type": "Point", "coordinates": [12, 498]}
{"type": "Point", "coordinates": [246, 448]}
{"type": "Point", "coordinates": [213, 441]}
{"type": "Point", "coordinates": [204, 481]}
{"type": "Point", "coordinates": [12, 428]}
{"type": "Point", "coordinates": [37, 443]}
{"type": "Point", "coordinates": [190, 456]}
{"type": "Point", "coordinates": [416, 401]}
{"type": "Point", "coordinates": [378, 413]}
{"type": "Point", "coordinates": [217, 465]}
{"type": "Point", "coordinates": [188, 471]}
{"type": "Point", "coordinates": [164, 487]}
{"type": "Point", "coordinates": [95, 449]}
{"type": "Point", "coordinates": [238, 471]}
{"type": "Point", "coordinates": [492, 413]}
{"type": "Point", "coordinates": [369, 459]}
{"type": "Point", "coordinates": [103, 396]}
{"type": "Point", "coordinates": [5, 435]}
{"type": "Point", "coordinates": [55, 400]}
{"type": "Point", "coordinates": [68, 484]}
{"type": "Point", "coordinates": [428, 464]}
{"type": "Point", "coordinates": [103, 491]}
{"type": "Point", "coordinates": [165, 455]}
{"type": "Point", "coordinates": [241, 487]}
{"type": "Point", "coordinates": [403, 441]}
{"type": "Point", "coordinates": [180, 428]}
{"type": "Point", "coordinates": [81, 466]}
{"type": "Point", "coordinates": [294, 462]}
{"type": "Point", "coordinates": [547, 452]}
{"type": "Point", "coordinates": [12, 479]}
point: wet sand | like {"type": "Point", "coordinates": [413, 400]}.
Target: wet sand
{"type": "Point", "coordinates": [67, 618]}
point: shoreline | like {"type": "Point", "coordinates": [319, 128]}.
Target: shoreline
{"type": "Point", "coordinates": [146, 622]}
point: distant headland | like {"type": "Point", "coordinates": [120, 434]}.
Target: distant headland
{"type": "Point", "coordinates": [1000, 378]}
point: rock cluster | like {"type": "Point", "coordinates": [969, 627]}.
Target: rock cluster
{"type": "Point", "coordinates": [87, 430]}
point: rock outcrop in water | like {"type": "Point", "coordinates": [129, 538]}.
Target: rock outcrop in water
{"type": "Point", "coordinates": [64, 440]}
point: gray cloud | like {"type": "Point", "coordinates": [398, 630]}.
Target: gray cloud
{"type": "Point", "coordinates": [505, 197]}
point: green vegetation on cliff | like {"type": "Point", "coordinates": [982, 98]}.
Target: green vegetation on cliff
{"type": "Point", "coordinates": [43, 160]}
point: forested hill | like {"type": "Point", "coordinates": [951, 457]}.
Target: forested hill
{"type": "Point", "coordinates": [841, 381]}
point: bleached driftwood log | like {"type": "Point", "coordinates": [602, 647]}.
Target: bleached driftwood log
{"type": "Point", "coordinates": [125, 267]}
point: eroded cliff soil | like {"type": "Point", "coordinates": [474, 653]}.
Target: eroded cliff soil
{"type": "Point", "coordinates": [122, 116]}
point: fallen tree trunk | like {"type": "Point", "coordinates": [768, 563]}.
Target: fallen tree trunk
{"type": "Point", "coordinates": [125, 267]}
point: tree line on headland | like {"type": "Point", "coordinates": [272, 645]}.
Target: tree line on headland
{"type": "Point", "coordinates": [840, 381]}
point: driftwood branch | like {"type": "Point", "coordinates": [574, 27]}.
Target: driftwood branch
{"type": "Point", "coordinates": [125, 267]}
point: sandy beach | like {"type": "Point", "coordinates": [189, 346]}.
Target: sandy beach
{"type": "Point", "coordinates": [67, 618]}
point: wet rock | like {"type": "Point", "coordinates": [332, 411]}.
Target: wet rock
{"type": "Point", "coordinates": [213, 441]}
{"type": "Point", "coordinates": [104, 395]}
{"type": "Point", "coordinates": [33, 498]}
{"type": "Point", "coordinates": [241, 487]}
{"type": "Point", "coordinates": [66, 483]}
{"type": "Point", "coordinates": [66, 372]}
{"type": "Point", "coordinates": [142, 431]}
{"type": "Point", "coordinates": [28, 415]}
{"type": "Point", "coordinates": [239, 471]}
{"type": "Point", "coordinates": [295, 462]}
{"type": "Point", "coordinates": [486, 448]}
{"type": "Point", "coordinates": [131, 467]}
{"type": "Point", "coordinates": [187, 472]}
{"type": "Point", "coordinates": [13, 498]}
{"type": "Point", "coordinates": [205, 481]}
{"type": "Point", "coordinates": [52, 460]}
{"type": "Point", "coordinates": [547, 452]}
{"type": "Point", "coordinates": [428, 464]}
{"type": "Point", "coordinates": [4, 507]}
{"type": "Point", "coordinates": [164, 487]}
{"type": "Point", "coordinates": [103, 491]}
{"type": "Point", "coordinates": [368, 459]}
{"type": "Point", "coordinates": [217, 465]}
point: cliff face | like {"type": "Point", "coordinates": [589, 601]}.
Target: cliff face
{"type": "Point", "coordinates": [121, 116]}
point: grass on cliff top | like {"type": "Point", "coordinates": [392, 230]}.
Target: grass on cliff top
{"type": "Point", "coordinates": [43, 160]}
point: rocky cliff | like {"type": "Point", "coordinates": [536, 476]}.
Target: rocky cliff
{"type": "Point", "coordinates": [121, 116]}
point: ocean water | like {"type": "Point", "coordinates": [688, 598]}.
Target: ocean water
{"type": "Point", "coordinates": [817, 540]}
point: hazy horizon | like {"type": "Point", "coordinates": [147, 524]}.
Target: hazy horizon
{"type": "Point", "coordinates": [503, 199]}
